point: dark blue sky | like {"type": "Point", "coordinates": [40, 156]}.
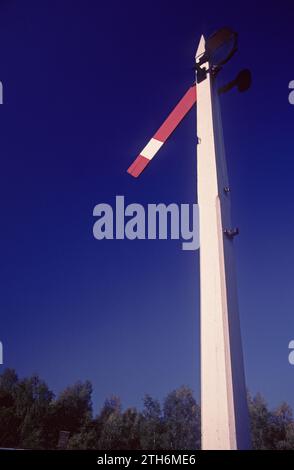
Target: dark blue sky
{"type": "Point", "coordinates": [86, 84]}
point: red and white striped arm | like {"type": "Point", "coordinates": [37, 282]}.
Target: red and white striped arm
{"type": "Point", "coordinates": [163, 133]}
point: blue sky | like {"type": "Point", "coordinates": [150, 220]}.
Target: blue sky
{"type": "Point", "coordinates": [85, 86]}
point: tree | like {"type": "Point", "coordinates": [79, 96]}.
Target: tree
{"type": "Point", "coordinates": [110, 430]}
{"type": "Point", "coordinates": [31, 417]}
{"type": "Point", "coordinates": [272, 430]}
{"type": "Point", "coordinates": [259, 421]}
{"type": "Point", "coordinates": [9, 422]}
{"type": "Point", "coordinates": [32, 403]}
{"type": "Point", "coordinates": [130, 439]}
{"type": "Point", "coordinates": [87, 438]}
{"type": "Point", "coordinates": [23, 407]}
{"type": "Point", "coordinates": [152, 427]}
{"type": "Point", "coordinates": [8, 381]}
{"type": "Point", "coordinates": [281, 427]}
{"type": "Point", "coordinates": [111, 435]}
{"type": "Point", "coordinates": [70, 412]}
{"type": "Point", "coordinates": [110, 424]}
{"type": "Point", "coordinates": [181, 416]}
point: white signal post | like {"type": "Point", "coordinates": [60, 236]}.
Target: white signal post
{"type": "Point", "coordinates": [224, 409]}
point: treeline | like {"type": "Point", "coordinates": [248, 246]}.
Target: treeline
{"type": "Point", "coordinates": [32, 417]}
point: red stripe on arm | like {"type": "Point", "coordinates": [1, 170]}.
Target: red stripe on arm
{"type": "Point", "coordinates": [178, 113]}
{"type": "Point", "coordinates": [165, 130]}
{"type": "Point", "coordinates": [138, 166]}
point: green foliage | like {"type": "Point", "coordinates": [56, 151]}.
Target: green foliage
{"type": "Point", "coordinates": [86, 438]}
{"type": "Point", "coordinates": [69, 412]}
{"type": "Point", "coordinates": [182, 420]}
{"type": "Point", "coordinates": [151, 427]}
{"type": "Point", "coordinates": [270, 429]}
{"type": "Point", "coordinates": [24, 406]}
{"type": "Point", "coordinates": [31, 417]}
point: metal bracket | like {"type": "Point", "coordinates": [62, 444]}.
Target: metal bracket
{"type": "Point", "coordinates": [201, 73]}
{"type": "Point", "coordinates": [231, 233]}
